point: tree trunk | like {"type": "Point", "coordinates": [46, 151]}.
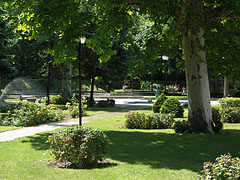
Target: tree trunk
{"type": "Point", "coordinates": [48, 83]}
{"type": "Point", "coordinates": [66, 81]}
{"type": "Point", "coordinates": [91, 102]}
{"type": "Point", "coordinates": [226, 87]}
{"type": "Point", "coordinates": [199, 106]}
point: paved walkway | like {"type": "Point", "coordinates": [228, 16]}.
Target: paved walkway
{"type": "Point", "coordinates": [29, 131]}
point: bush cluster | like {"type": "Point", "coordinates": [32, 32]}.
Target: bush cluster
{"type": "Point", "coordinates": [136, 120]}
{"type": "Point", "coordinates": [172, 106]}
{"type": "Point", "coordinates": [73, 107]}
{"type": "Point", "coordinates": [158, 103]}
{"type": "Point", "coordinates": [230, 110]}
{"type": "Point", "coordinates": [81, 147]}
{"type": "Point", "coordinates": [180, 126]}
{"type": "Point", "coordinates": [30, 114]}
{"type": "Point", "coordinates": [54, 100]}
{"type": "Point", "coordinates": [106, 103]}
{"type": "Point", "coordinates": [225, 167]}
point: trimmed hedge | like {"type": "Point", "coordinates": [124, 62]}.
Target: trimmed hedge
{"type": "Point", "coordinates": [106, 103]}
{"type": "Point", "coordinates": [136, 120]}
{"type": "Point", "coordinates": [158, 103]}
{"type": "Point", "coordinates": [77, 146]}
{"type": "Point", "coordinates": [172, 106]}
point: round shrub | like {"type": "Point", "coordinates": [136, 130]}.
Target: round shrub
{"type": "Point", "coordinates": [73, 107]}
{"type": "Point", "coordinates": [180, 126]}
{"type": "Point", "coordinates": [216, 116]}
{"type": "Point", "coordinates": [80, 147]}
{"type": "Point", "coordinates": [158, 103]}
{"type": "Point", "coordinates": [172, 106]}
{"type": "Point", "coordinates": [225, 167]}
{"type": "Point", "coordinates": [136, 120]}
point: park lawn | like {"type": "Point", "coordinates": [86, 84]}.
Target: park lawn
{"type": "Point", "coordinates": [139, 154]}
{"type": "Point", "coordinates": [7, 128]}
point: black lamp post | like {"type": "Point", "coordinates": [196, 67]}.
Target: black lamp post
{"type": "Point", "coordinates": [165, 58]}
{"type": "Point", "coordinates": [80, 41]}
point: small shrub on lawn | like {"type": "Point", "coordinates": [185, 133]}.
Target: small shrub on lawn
{"type": "Point", "coordinates": [158, 103]}
{"type": "Point", "coordinates": [136, 120]}
{"type": "Point", "coordinates": [54, 100]}
{"type": "Point", "coordinates": [231, 115]}
{"type": "Point", "coordinates": [106, 103]}
{"type": "Point", "coordinates": [74, 106]}
{"type": "Point", "coordinates": [172, 106]}
{"type": "Point", "coordinates": [180, 126]}
{"type": "Point", "coordinates": [30, 114]}
{"type": "Point", "coordinates": [216, 116]}
{"type": "Point", "coordinates": [80, 147]}
{"type": "Point", "coordinates": [225, 167]}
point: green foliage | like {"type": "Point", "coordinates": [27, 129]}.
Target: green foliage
{"type": "Point", "coordinates": [54, 100]}
{"type": "Point", "coordinates": [73, 107]}
{"type": "Point", "coordinates": [231, 115]}
{"type": "Point", "coordinates": [216, 116]}
{"type": "Point", "coordinates": [106, 103]}
{"type": "Point", "coordinates": [230, 110]}
{"type": "Point", "coordinates": [136, 120]}
{"type": "Point", "coordinates": [81, 147]}
{"type": "Point", "coordinates": [180, 126]}
{"type": "Point", "coordinates": [172, 106]}
{"type": "Point", "coordinates": [229, 102]}
{"type": "Point", "coordinates": [30, 114]}
{"type": "Point", "coordinates": [225, 167]}
{"type": "Point", "coordinates": [158, 103]}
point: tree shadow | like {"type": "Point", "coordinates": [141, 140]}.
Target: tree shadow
{"type": "Point", "coordinates": [172, 151]}
{"type": "Point", "coordinates": [161, 150]}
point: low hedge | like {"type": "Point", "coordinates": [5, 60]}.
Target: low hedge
{"type": "Point", "coordinates": [30, 114]}
{"type": "Point", "coordinates": [136, 120]}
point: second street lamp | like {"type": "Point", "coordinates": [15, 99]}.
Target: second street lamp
{"type": "Point", "coordinates": [80, 41]}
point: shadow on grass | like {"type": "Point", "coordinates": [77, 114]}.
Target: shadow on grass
{"type": "Point", "coordinates": [172, 151]}
{"type": "Point", "coordinates": [162, 150]}
{"type": "Point", "coordinates": [39, 141]}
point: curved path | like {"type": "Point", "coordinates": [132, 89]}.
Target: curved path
{"type": "Point", "coordinates": [29, 131]}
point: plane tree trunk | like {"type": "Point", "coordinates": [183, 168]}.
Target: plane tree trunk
{"type": "Point", "coordinates": [199, 105]}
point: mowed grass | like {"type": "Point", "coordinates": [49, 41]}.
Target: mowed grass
{"type": "Point", "coordinates": [7, 128]}
{"type": "Point", "coordinates": [139, 154]}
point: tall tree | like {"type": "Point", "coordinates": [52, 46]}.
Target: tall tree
{"type": "Point", "coordinates": [67, 19]}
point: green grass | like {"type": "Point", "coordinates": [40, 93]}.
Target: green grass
{"type": "Point", "coordinates": [7, 128]}
{"type": "Point", "coordinates": [140, 154]}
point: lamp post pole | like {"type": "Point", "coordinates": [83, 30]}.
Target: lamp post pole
{"type": "Point", "coordinates": [165, 58]}
{"type": "Point", "coordinates": [80, 41]}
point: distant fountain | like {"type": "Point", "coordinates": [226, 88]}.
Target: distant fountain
{"type": "Point", "coordinates": [22, 85]}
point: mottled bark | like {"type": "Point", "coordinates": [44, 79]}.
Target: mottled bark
{"type": "Point", "coordinates": [226, 87]}
{"type": "Point", "coordinates": [199, 106]}
{"type": "Point", "coordinates": [66, 81]}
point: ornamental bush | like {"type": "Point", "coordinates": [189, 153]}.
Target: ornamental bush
{"type": "Point", "coordinates": [158, 103]}
{"type": "Point", "coordinates": [180, 126]}
{"type": "Point", "coordinates": [216, 116]}
{"type": "Point", "coordinates": [73, 107]}
{"type": "Point", "coordinates": [231, 115]}
{"type": "Point", "coordinates": [31, 114]}
{"type": "Point", "coordinates": [80, 147]}
{"type": "Point", "coordinates": [54, 100]}
{"type": "Point", "coordinates": [136, 120]}
{"type": "Point", "coordinates": [229, 102]}
{"type": "Point", "coordinates": [225, 167]}
{"type": "Point", "coordinates": [172, 106]}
